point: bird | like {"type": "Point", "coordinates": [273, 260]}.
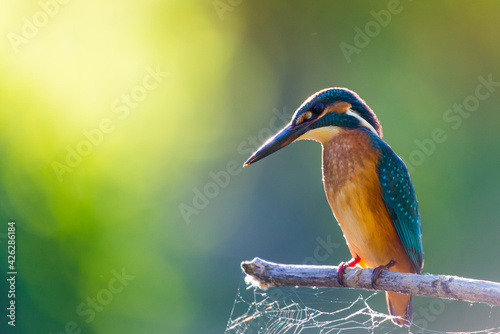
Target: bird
{"type": "Point", "coordinates": [367, 185]}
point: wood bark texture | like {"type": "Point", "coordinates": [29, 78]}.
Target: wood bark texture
{"type": "Point", "coordinates": [268, 274]}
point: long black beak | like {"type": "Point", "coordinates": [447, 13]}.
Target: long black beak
{"type": "Point", "coordinates": [286, 136]}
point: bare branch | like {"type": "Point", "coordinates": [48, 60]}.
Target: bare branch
{"type": "Point", "coordinates": [267, 274]}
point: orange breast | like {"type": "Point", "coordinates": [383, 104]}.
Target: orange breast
{"type": "Point", "coordinates": [354, 193]}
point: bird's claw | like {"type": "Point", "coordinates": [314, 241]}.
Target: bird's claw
{"type": "Point", "coordinates": [341, 269]}
{"type": "Point", "coordinates": [340, 273]}
{"type": "Point", "coordinates": [377, 271]}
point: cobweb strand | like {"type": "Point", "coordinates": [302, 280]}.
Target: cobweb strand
{"type": "Point", "coordinates": [294, 310]}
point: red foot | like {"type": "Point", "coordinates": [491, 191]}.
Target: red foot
{"type": "Point", "coordinates": [378, 270]}
{"type": "Point", "coordinates": [343, 265]}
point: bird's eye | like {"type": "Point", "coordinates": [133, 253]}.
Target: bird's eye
{"type": "Point", "coordinates": [318, 108]}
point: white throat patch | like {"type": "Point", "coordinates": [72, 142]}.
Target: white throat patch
{"type": "Point", "coordinates": [321, 135]}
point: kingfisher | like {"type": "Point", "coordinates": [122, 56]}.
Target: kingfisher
{"type": "Point", "coordinates": [367, 186]}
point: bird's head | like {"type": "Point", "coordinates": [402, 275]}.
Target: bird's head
{"type": "Point", "coordinates": [321, 117]}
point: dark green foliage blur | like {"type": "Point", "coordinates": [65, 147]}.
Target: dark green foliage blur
{"type": "Point", "coordinates": [123, 128]}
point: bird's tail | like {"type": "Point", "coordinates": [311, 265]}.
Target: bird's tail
{"type": "Point", "coordinates": [400, 306]}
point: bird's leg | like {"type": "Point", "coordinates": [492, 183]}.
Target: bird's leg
{"type": "Point", "coordinates": [378, 270]}
{"type": "Point", "coordinates": [340, 272]}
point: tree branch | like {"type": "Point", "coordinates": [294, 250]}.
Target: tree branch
{"type": "Point", "coordinates": [267, 274]}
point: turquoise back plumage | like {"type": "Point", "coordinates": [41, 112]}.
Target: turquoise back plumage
{"type": "Point", "coordinates": [401, 202]}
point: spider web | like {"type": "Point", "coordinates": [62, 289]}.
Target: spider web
{"type": "Point", "coordinates": [293, 310]}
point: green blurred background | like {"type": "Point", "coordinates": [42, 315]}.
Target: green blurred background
{"type": "Point", "coordinates": [123, 127]}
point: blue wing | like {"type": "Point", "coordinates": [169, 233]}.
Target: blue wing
{"type": "Point", "coordinates": [401, 202]}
